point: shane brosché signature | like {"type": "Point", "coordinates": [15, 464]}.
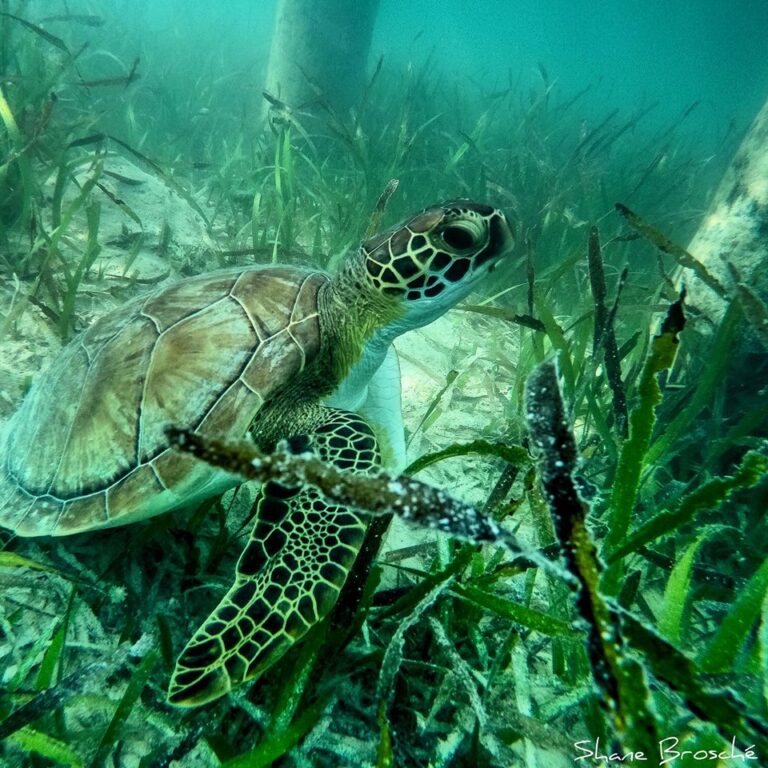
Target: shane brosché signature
{"type": "Point", "coordinates": [670, 750]}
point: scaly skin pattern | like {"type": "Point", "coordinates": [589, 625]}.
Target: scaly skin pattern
{"type": "Point", "coordinates": [289, 575]}
{"type": "Point", "coordinates": [272, 352]}
{"type": "Point", "coordinates": [302, 548]}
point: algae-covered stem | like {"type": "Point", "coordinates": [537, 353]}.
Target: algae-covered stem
{"type": "Point", "coordinates": [377, 495]}
{"type": "Point", "coordinates": [554, 447]}
{"type": "Point", "coordinates": [613, 631]}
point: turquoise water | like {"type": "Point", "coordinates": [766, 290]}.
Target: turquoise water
{"type": "Point", "coordinates": [640, 51]}
{"type": "Point", "coordinates": [575, 194]}
{"type": "Point", "coordinates": [673, 53]}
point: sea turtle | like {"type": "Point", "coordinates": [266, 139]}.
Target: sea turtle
{"type": "Point", "coordinates": [278, 352]}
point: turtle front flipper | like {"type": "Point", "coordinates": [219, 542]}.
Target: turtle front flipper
{"type": "Point", "coordinates": [289, 575]}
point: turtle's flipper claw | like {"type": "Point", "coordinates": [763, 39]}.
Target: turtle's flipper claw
{"type": "Point", "coordinates": [288, 577]}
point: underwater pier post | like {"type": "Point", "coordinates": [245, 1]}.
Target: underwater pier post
{"type": "Point", "coordinates": [320, 51]}
{"type": "Point", "coordinates": [732, 245]}
{"type": "Point", "coordinates": [732, 240]}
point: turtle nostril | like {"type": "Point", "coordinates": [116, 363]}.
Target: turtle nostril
{"type": "Point", "coordinates": [458, 238]}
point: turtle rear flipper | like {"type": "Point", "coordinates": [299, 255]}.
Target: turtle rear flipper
{"type": "Point", "coordinates": [288, 577]}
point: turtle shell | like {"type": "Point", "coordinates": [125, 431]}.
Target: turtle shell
{"type": "Point", "coordinates": [87, 447]}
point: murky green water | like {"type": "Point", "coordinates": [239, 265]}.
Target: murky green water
{"type": "Point", "coordinates": [482, 289]}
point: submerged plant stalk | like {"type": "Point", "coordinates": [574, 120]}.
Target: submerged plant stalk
{"type": "Point", "coordinates": [604, 336]}
{"type": "Point", "coordinates": [633, 459]}
{"type": "Point", "coordinates": [377, 495]}
{"type": "Point", "coordinates": [663, 243]}
{"type": "Point", "coordinates": [619, 678]}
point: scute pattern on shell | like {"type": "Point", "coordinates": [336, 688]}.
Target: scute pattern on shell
{"type": "Point", "coordinates": [87, 450]}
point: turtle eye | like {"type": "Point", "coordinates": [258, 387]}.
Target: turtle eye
{"type": "Point", "coordinates": [458, 238]}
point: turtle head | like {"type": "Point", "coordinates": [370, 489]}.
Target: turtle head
{"type": "Point", "coordinates": [428, 263]}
